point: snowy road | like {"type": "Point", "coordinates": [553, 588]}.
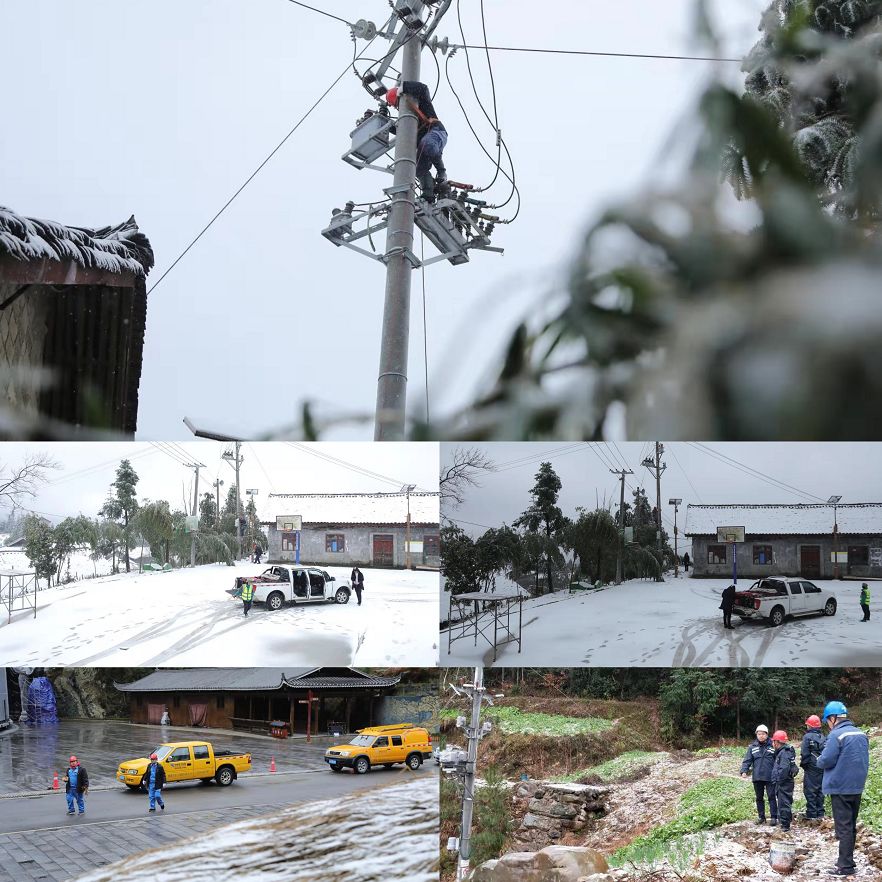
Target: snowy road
{"type": "Point", "coordinates": [676, 623]}
{"type": "Point", "coordinates": [185, 617]}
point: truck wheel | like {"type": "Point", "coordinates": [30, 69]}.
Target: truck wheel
{"type": "Point", "coordinates": [275, 601]}
{"type": "Point", "coordinates": [224, 776]}
{"type": "Point", "coordinates": [414, 761]}
{"type": "Point", "coordinates": [776, 617]}
{"type": "Point", "coordinates": [362, 765]}
{"type": "Point", "coordinates": [342, 596]}
{"type": "Point", "coordinates": [830, 607]}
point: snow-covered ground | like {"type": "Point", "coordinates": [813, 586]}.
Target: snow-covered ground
{"type": "Point", "coordinates": [384, 835]}
{"type": "Point", "coordinates": [185, 617]}
{"type": "Point", "coordinates": [79, 565]}
{"type": "Point", "coordinates": [675, 623]}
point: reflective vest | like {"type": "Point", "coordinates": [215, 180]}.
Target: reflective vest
{"type": "Point", "coordinates": [865, 595]}
{"type": "Point", "coordinates": [247, 591]}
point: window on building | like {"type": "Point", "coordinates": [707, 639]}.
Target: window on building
{"type": "Point", "coordinates": [716, 554]}
{"type": "Point", "coordinates": [858, 555]}
{"type": "Point", "coordinates": [432, 545]}
{"type": "Point", "coordinates": [219, 701]}
{"type": "Point", "coordinates": [762, 554]}
{"type": "Point", "coordinates": [288, 541]}
{"type": "Point", "coordinates": [335, 542]}
{"type": "Point", "coordinates": [240, 708]}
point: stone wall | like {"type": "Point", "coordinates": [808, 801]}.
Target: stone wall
{"type": "Point", "coordinates": [549, 810]}
{"type": "Point", "coordinates": [556, 863]}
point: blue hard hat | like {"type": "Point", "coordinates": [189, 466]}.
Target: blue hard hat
{"type": "Point", "coordinates": [834, 709]}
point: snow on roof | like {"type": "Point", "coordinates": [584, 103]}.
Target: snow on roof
{"type": "Point", "coordinates": [123, 248]}
{"type": "Point", "coordinates": [248, 679]}
{"type": "Point", "coordinates": [785, 520]}
{"type": "Point", "coordinates": [359, 508]}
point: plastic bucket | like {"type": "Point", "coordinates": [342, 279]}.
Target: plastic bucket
{"type": "Point", "coordinates": [782, 857]}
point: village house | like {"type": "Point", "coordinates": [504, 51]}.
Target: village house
{"type": "Point", "coordinates": [788, 540]}
{"type": "Point", "coordinates": [344, 529]}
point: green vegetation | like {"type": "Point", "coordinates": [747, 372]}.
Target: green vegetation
{"type": "Point", "coordinates": [622, 766]}
{"type": "Point", "coordinates": [871, 807]}
{"type": "Point", "coordinates": [512, 721]}
{"type": "Point", "coordinates": [679, 853]}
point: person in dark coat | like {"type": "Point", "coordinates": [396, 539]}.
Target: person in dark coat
{"type": "Point", "coordinates": [758, 761]}
{"type": "Point", "coordinates": [76, 786]}
{"type": "Point", "coordinates": [846, 764]}
{"type": "Point", "coordinates": [357, 579]}
{"type": "Point", "coordinates": [784, 770]}
{"type": "Point", "coordinates": [258, 551]}
{"type": "Point", "coordinates": [812, 747]}
{"type": "Point", "coordinates": [686, 562]}
{"type": "Point", "coordinates": [154, 778]}
{"type": "Point", "coordinates": [726, 605]}
{"type": "Point", "coordinates": [431, 134]}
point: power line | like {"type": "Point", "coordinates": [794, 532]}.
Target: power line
{"type": "Point", "coordinates": [676, 459]}
{"type": "Point", "coordinates": [334, 460]}
{"type": "Point", "coordinates": [598, 54]}
{"type": "Point", "coordinates": [321, 12]}
{"type": "Point", "coordinates": [257, 171]}
{"type": "Point", "coordinates": [88, 471]}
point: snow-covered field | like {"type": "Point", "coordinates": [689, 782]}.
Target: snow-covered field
{"type": "Point", "coordinates": [651, 624]}
{"type": "Point", "coordinates": [185, 617]}
{"type": "Point", "coordinates": [79, 565]}
{"type": "Point", "coordinates": [384, 835]}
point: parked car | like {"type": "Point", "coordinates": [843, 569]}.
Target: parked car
{"type": "Point", "coordinates": [186, 761]}
{"type": "Point", "coordinates": [776, 599]}
{"type": "Point", "coordinates": [381, 745]}
{"type": "Point", "coordinates": [278, 585]}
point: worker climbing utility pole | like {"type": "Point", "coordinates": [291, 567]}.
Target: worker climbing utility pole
{"type": "Point", "coordinates": [392, 380]}
{"type": "Point", "coordinates": [620, 563]}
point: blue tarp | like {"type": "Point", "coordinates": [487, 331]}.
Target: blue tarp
{"type": "Point", "coordinates": [41, 701]}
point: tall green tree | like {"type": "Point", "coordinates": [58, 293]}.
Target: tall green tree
{"type": "Point", "coordinates": [122, 503]}
{"type": "Point", "coordinates": [230, 511]}
{"type": "Point", "coordinates": [153, 521]}
{"type": "Point", "coordinates": [594, 540]}
{"type": "Point", "coordinates": [208, 513]}
{"type": "Point", "coordinates": [69, 535]}
{"type": "Point", "coordinates": [543, 516]}
{"type": "Point", "coordinates": [40, 548]}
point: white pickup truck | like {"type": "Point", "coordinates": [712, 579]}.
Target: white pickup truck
{"type": "Point", "coordinates": [281, 584]}
{"type": "Point", "coordinates": [776, 599]}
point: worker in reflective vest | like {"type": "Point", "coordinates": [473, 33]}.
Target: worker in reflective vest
{"type": "Point", "coordinates": [247, 595]}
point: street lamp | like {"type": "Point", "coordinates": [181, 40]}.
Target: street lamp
{"type": "Point", "coordinates": [833, 500]}
{"type": "Point", "coordinates": [676, 504]}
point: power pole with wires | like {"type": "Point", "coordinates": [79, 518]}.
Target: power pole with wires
{"type": "Point", "coordinates": [620, 563]}
{"type": "Point", "coordinates": [676, 504]}
{"type": "Point", "coordinates": [196, 466]}
{"type": "Point", "coordinates": [235, 460]}
{"type": "Point", "coordinates": [656, 466]}
{"type": "Point", "coordinates": [217, 485]}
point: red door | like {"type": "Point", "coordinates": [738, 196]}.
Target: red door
{"type": "Point", "coordinates": [810, 561]}
{"type": "Point", "coordinates": [383, 550]}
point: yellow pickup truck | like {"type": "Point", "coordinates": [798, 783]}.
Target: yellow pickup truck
{"type": "Point", "coordinates": [381, 745]}
{"type": "Point", "coordinates": [187, 761]}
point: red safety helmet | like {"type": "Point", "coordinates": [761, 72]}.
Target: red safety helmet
{"type": "Point", "coordinates": [813, 722]}
{"type": "Point", "coordinates": [74, 761]}
{"type": "Point", "coordinates": [153, 756]}
{"type": "Point", "coordinates": [780, 735]}
{"type": "Point", "coordinates": [392, 96]}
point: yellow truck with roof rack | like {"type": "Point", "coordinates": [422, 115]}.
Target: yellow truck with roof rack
{"type": "Point", "coordinates": [381, 746]}
{"type": "Point", "coordinates": [187, 761]}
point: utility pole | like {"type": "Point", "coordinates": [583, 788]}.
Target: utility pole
{"type": "Point", "coordinates": [620, 564]}
{"type": "Point", "coordinates": [196, 466]}
{"type": "Point", "coordinates": [217, 485]}
{"type": "Point", "coordinates": [407, 488]}
{"type": "Point", "coordinates": [676, 504]}
{"type": "Point", "coordinates": [235, 461]}
{"type": "Point", "coordinates": [392, 380]}
{"type": "Point", "coordinates": [656, 466]}
{"type": "Point", "coordinates": [474, 733]}
{"type": "Point", "coordinates": [834, 501]}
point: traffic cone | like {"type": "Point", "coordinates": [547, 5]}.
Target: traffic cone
{"type": "Point", "coordinates": [55, 781]}
{"type": "Point", "coordinates": [272, 764]}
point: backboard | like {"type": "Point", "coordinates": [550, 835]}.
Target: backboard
{"type": "Point", "coordinates": [289, 523]}
{"type": "Point", "coordinates": [730, 534]}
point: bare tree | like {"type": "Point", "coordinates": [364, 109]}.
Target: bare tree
{"type": "Point", "coordinates": [21, 482]}
{"type": "Point", "coordinates": [462, 472]}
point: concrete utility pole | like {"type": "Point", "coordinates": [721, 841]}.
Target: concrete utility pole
{"type": "Point", "coordinates": [620, 563]}
{"type": "Point", "coordinates": [468, 798]}
{"type": "Point", "coordinates": [196, 466]}
{"type": "Point", "coordinates": [217, 485]}
{"type": "Point", "coordinates": [676, 504]}
{"type": "Point", "coordinates": [656, 466]}
{"type": "Point", "coordinates": [235, 461]}
{"type": "Point", "coordinates": [834, 501]}
{"type": "Point", "coordinates": [392, 381]}
{"type": "Point", "coordinates": [407, 488]}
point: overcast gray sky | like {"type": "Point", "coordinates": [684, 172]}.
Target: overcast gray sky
{"type": "Point", "coordinates": [162, 109]}
{"type": "Point", "coordinates": [86, 470]}
{"type": "Point", "coordinates": [849, 470]}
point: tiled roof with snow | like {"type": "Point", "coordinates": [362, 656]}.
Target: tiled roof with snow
{"type": "Point", "coordinates": [123, 248]}
{"type": "Point", "coordinates": [785, 520]}
{"type": "Point", "coordinates": [359, 508]}
{"type": "Point", "coordinates": [248, 679]}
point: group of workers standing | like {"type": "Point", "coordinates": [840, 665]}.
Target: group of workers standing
{"type": "Point", "coordinates": [76, 785]}
{"type": "Point", "coordinates": [834, 765]}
